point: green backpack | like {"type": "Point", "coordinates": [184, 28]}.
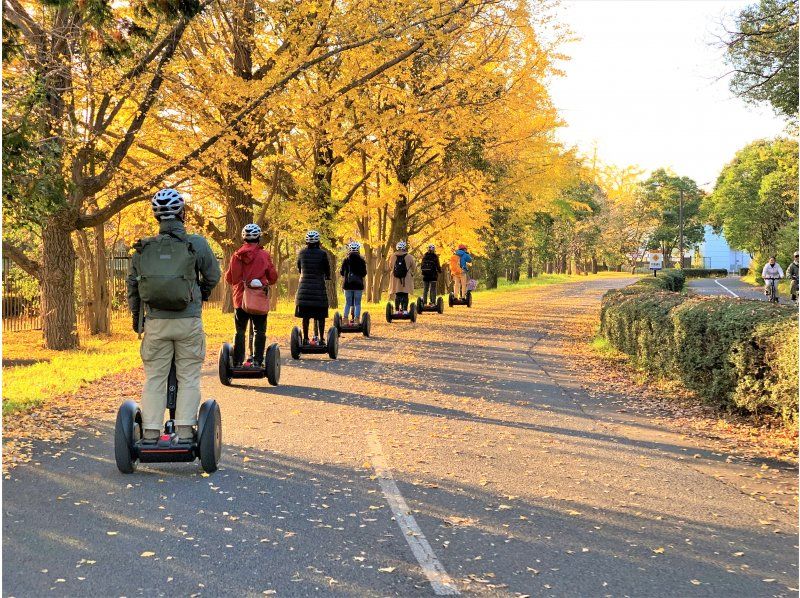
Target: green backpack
{"type": "Point", "coordinates": [167, 272]}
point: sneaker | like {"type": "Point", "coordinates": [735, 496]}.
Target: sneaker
{"type": "Point", "coordinates": [258, 365]}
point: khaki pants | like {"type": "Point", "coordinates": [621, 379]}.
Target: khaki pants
{"type": "Point", "coordinates": [184, 338]}
{"type": "Point", "coordinates": [460, 284]}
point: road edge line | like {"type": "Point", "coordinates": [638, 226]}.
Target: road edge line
{"type": "Point", "coordinates": [441, 583]}
{"type": "Point", "coordinates": [726, 288]}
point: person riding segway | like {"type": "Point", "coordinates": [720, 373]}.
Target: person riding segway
{"type": "Point", "coordinates": [250, 274]}
{"type": "Point", "coordinates": [170, 275]}
{"type": "Point", "coordinates": [401, 285]}
{"type": "Point", "coordinates": [431, 267]}
{"type": "Point", "coordinates": [353, 272]}
{"type": "Point", "coordinates": [311, 301]}
{"type": "Point", "coordinates": [460, 263]}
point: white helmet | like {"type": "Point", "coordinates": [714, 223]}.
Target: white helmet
{"type": "Point", "coordinates": [431, 247]}
{"type": "Point", "coordinates": [251, 232]}
{"type": "Point", "coordinates": [167, 204]}
{"type": "Point", "coordinates": [354, 247]}
{"type": "Point", "coordinates": [402, 246]}
{"type": "Point", "coordinates": [312, 236]}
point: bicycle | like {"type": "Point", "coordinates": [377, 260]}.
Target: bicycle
{"type": "Point", "coordinates": [772, 290]}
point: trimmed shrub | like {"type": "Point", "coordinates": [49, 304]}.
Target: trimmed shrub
{"type": "Point", "coordinates": [667, 280]}
{"type": "Point", "coordinates": [766, 369]}
{"type": "Point", "coordinates": [736, 354]}
{"type": "Point", "coordinates": [705, 272]}
{"type": "Point", "coordinates": [637, 322]}
{"type": "Point", "coordinates": [744, 271]}
{"type": "Point", "coordinates": [708, 332]}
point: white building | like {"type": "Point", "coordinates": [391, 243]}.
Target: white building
{"type": "Point", "coordinates": [716, 253]}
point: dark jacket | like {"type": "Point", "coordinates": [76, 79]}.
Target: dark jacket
{"type": "Point", "coordinates": [208, 275]}
{"type": "Point", "coordinates": [312, 263]}
{"type": "Point", "coordinates": [250, 261]}
{"type": "Point", "coordinates": [356, 265]}
{"type": "Point", "coordinates": [431, 267]}
{"type": "Point", "coordinates": [792, 271]}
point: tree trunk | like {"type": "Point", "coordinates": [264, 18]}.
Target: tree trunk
{"type": "Point", "coordinates": [59, 320]}
{"type": "Point", "coordinates": [101, 312]}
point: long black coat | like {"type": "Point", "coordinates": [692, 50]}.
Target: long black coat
{"type": "Point", "coordinates": [312, 263]}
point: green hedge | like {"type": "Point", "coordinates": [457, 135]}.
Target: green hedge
{"type": "Point", "coordinates": [705, 272]}
{"type": "Point", "coordinates": [667, 280]}
{"type": "Point", "coordinates": [735, 354]}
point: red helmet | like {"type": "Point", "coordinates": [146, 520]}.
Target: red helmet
{"type": "Point", "coordinates": [462, 246]}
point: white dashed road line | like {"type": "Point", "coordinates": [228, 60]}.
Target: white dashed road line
{"type": "Point", "coordinates": [441, 582]}
{"type": "Point", "coordinates": [726, 288]}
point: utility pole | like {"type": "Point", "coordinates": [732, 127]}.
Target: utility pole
{"type": "Point", "coordinates": [680, 229]}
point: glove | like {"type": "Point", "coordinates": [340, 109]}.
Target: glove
{"type": "Point", "coordinates": [256, 284]}
{"type": "Point", "coordinates": [205, 294]}
{"type": "Point", "coordinates": [136, 322]}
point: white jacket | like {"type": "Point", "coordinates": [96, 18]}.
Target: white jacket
{"type": "Point", "coordinates": [771, 271]}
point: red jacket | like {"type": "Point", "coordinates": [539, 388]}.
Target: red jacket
{"type": "Point", "coordinates": [250, 261]}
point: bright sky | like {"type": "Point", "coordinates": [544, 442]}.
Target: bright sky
{"type": "Point", "coordinates": [642, 86]}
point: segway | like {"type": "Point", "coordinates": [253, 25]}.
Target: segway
{"type": "Point", "coordinates": [130, 448]}
{"type": "Point", "coordinates": [271, 369]}
{"type": "Point", "coordinates": [392, 314]}
{"type": "Point", "coordinates": [453, 300]}
{"type": "Point", "coordinates": [437, 307]}
{"type": "Point", "coordinates": [298, 347]}
{"type": "Point", "coordinates": [344, 325]}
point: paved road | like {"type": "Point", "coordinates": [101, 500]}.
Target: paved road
{"type": "Point", "coordinates": [732, 286]}
{"type": "Point", "coordinates": [457, 455]}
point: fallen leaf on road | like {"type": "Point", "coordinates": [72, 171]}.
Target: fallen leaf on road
{"type": "Point", "coordinates": [696, 582]}
{"type": "Point", "coordinates": [658, 550]}
{"type": "Point", "coordinates": [147, 553]}
{"type": "Point", "coordinates": [387, 569]}
{"type": "Point", "coordinates": [112, 533]}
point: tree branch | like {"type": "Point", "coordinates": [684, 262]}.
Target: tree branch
{"type": "Point", "coordinates": [23, 261]}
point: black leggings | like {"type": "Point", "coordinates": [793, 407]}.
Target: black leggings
{"type": "Point", "coordinates": [241, 318]}
{"type": "Point", "coordinates": [319, 324]}
{"type": "Point", "coordinates": [402, 301]}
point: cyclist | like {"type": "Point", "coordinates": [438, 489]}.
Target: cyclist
{"type": "Point", "coordinates": [353, 271]}
{"type": "Point", "coordinates": [771, 274]}
{"type": "Point", "coordinates": [401, 284]}
{"type": "Point", "coordinates": [311, 301]}
{"type": "Point", "coordinates": [431, 267]}
{"type": "Point", "coordinates": [170, 276]}
{"type": "Point", "coordinates": [792, 274]}
{"type": "Point", "coordinates": [251, 266]}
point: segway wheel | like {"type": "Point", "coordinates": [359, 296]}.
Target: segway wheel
{"type": "Point", "coordinates": [333, 343]}
{"type": "Point", "coordinates": [273, 364]}
{"type": "Point", "coordinates": [412, 313]}
{"type": "Point", "coordinates": [450, 299]}
{"type": "Point", "coordinates": [209, 435]}
{"type": "Point", "coordinates": [365, 322]}
{"type": "Point", "coordinates": [440, 305]}
{"type": "Point", "coordinates": [225, 364]}
{"type": "Point", "coordinates": [127, 431]}
{"type": "Point", "coordinates": [469, 298]}
{"type": "Point", "coordinates": [294, 343]}
{"type": "Point", "coordinates": [337, 322]}
{"type": "Point", "coordinates": [389, 312]}
{"type": "Point", "coordinates": [420, 304]}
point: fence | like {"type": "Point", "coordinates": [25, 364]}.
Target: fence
{"type": "Point", "coordinates": [21, 303]}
